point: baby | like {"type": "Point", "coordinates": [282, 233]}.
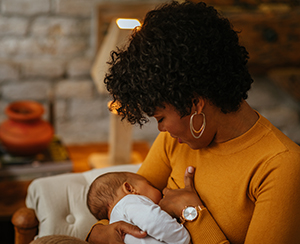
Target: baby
{"type": "Point", "coordinates": [129, 197]}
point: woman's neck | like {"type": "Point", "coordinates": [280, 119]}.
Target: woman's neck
{"type": "Point", "coordinates": [234, 124]}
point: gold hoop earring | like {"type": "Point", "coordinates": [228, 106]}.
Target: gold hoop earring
{"type": "Point", "coordinates": [201, 130]}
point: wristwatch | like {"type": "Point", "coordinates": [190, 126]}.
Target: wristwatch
{"type": "Point", "coordinates": [190, 213]}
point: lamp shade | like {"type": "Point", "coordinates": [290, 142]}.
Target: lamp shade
{"type": "Point", "coordinates": [115, 37]}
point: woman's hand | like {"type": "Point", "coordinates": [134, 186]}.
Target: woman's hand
{"type": "Point", "coordinates": [114, 233]}
{"type": "Point", "coordinates": [174, 201]}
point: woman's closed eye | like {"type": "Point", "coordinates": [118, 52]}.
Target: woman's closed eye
{"type": "Point", "coordinates": [160, 120]}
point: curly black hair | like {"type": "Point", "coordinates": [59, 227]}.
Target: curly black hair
{"type": "Point", "coordinates": [182, 51]}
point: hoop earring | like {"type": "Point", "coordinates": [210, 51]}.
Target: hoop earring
{"type": "Point", "coordinates": [201, 130]}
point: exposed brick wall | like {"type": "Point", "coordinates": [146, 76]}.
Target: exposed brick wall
{"type": "Point", "coordinates": [47, 47]}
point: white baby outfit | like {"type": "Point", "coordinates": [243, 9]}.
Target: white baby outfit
{"type": "Point", "coordinates": [148, 216]}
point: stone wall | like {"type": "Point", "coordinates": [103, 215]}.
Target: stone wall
{"type": "Point", "coordinates": [47, 49]}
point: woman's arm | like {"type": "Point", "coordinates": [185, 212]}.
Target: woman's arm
{"type": "Point", "coordinates": [157, 169]}
{"type": "Point", "coordinates": [204, 229]}
{"type": "Point", "coordinates": [276, 217]}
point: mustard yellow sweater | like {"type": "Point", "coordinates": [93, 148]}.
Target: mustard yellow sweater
{"type": "Point", "coordinates": [250, 185]}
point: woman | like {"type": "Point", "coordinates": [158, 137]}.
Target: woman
{"type": "Point", "coordinates": [240, 175]}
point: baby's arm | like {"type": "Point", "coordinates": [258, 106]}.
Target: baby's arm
{"type": "Point", "coordinates": [148, 216]}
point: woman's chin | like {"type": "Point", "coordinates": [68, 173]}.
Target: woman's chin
{"type": "Point", "coordinates": [192, 145]}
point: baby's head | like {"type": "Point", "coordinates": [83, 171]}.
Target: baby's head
{"type": "Point", "coordinates": [107, 189]}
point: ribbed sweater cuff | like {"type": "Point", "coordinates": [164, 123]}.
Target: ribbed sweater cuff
{"type": "Point", "coordinates": [205, 230]}
{"type": "Point", "coordinates": [100, 222]}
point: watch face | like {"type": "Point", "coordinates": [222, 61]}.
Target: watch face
{"type": "Point", "coordinates": [190, 213]}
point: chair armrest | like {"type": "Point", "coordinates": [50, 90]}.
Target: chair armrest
{"type": "Point", "coordinates": [25, 225]}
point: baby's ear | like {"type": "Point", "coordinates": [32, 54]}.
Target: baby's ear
{"type": "Point", "coordinates": [128, 188]}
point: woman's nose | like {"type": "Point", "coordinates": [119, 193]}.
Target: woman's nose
{"type": "Point", "coordinates": [161, 127]}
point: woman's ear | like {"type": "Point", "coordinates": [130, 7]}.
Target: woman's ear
{"type": "Point", "coordinates": [199, 104]}
{"type": "Point", "coordinates": [128, 188]}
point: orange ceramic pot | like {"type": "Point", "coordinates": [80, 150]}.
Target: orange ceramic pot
{"type": "Point", "coordinates": [24, 132]}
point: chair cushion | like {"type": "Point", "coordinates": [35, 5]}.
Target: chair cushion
{"type": "Point", "coordinates": [60, 201]}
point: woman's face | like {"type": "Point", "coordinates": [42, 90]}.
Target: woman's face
{"type": "Point", "coordinates": [169, 120]}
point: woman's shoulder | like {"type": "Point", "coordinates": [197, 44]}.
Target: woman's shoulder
{"type": "Point", "coordinates": [280, 153]}
{"type": "Point", "coordinates": [278, 138]}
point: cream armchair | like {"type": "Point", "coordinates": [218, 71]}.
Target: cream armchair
{"type": "Point", "coordinates": [56, 205]}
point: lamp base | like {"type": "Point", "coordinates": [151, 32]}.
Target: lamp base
{"type": "Point", "coordinates": [102, 160]}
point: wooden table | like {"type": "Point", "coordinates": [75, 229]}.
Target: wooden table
{"type": "Point", "coordinates": [13, 193]}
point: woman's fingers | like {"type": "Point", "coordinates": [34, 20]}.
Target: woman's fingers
{"type": "Point", "coordinates": [165, 191]}
{"type": "Point", "coordinates": [114, 233]}
{"type": "Point", "coordinates": [189, 178]}
{"type": "Point", "coordinates": [133, 230]}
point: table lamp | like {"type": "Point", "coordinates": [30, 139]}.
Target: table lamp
{"type": "Point", "coordinates": [120, 134]}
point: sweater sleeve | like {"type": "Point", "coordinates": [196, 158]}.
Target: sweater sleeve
{"type": "Point", "coordinates": [275, 190]}
{"type": "Point", "coordinates": [100, 222]}
{"type": "Point", "coordinates": [156, 167]}
{"type": "Point", "coordinates": [204, 230]}
{"type": "Point", "coordinates": [148, 216]}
